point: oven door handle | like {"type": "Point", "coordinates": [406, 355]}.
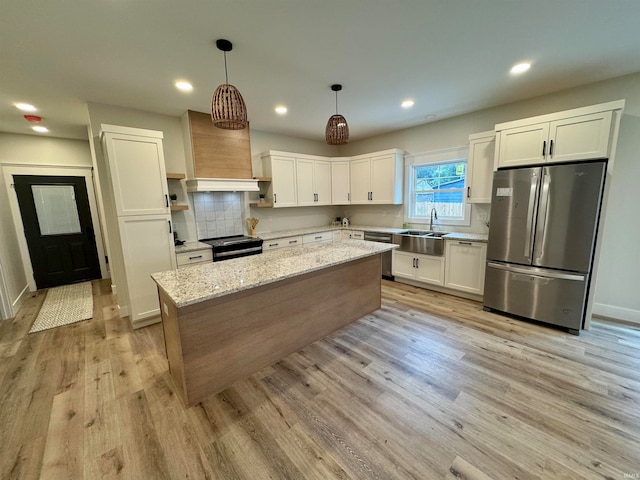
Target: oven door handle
{"type": "Point", "coordinates": [237, 252]}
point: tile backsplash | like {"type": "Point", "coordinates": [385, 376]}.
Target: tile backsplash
{"type": "Point", "coordinates": [218, 214]}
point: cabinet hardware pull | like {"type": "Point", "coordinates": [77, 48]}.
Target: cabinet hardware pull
{"type": "Point", "coordinates": [166, 201]}
{"type": "Point", "coordinates": [274, 198]}
{"type": "Point", "coordinates": [170, 229]}
{"type": "Point", "coordinates": [414, 263]}
{"type": "Point", "coordinates": [464, 243]}
{"type": "Point", "coordinates": [197, 256]}
{"type": "Point", "coordinates": [468, 192]}
{"type": "Point", "coordinates": [293, 241]}
{"type": "Point", "coordinates": [273, 244]}
{"type": "Point", "coordinates": [551, 148]}
{"type": "Point", "coordinates": [318, 238]}
{"type": "Point", "coordinates": [417, 263]}
{"type": "Point", "coordinates": [348, 197]}
{"type": "Point", "coordinates": [544, 147]}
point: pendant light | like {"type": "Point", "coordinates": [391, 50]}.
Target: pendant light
{"type": "Point", "coordinates": [228, 110]}
{"type": "Point", "coordinates": [337, 131]}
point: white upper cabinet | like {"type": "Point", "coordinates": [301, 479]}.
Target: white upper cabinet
{"type": "Point", "coordinates": [340, 182]}
{"type": "Point", "coordinates": [306, 180]}
{"type": "Point", "coordinates": [313, 182]}
{"type": "Point", "coordinates": [360, 177]}
{"type": "Point", "coordinates": [136, 167]}
{"type": "Point", "coordinates": [574, 135]}
{"type": "Point", "coordinates": [480, 167]}
{"type": "Point", "coordinates": [282, 191]}
{"type": "Point", "coordinates": [377, 179]}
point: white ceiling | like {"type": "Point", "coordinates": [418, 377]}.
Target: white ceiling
{"type": "Point", "coordinates": [450, 56]}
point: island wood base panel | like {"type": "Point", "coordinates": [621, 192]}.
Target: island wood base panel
{"type": "Point", "coordinates": [212, 344]}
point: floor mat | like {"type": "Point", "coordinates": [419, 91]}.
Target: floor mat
{"type": "Point", "coordinates": [64, 305]}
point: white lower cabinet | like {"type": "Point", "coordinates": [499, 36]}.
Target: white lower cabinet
{"type": "Point", "coordinates": [352, 235]}
{"type": "Point", "coordinates": [192, 258]}
{"type": "Point", "coordinates": [147, 247]}
{"type": "Point", "coordinates": [281, 243]}
{"type": "Point", "coordinates": [319, 237]}
{"type": "Point", "coordinates": [465, 266]}
{"type": "Point", "coordinates": [421, 268]}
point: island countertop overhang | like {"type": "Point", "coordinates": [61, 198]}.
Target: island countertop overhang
{"type": "Point", "coordinates": [198, 283]}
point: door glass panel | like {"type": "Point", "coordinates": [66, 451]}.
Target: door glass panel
{"type": "Point", "coordinates": [56, 209]}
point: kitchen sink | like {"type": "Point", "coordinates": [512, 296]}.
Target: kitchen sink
{"type": "Point", "coordinates": [421, 241]}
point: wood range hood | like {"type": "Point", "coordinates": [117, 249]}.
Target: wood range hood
{"type": "Point", "coordinates": [220, 159]}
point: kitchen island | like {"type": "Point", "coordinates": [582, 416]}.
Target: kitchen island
{"type": "Point", "coordinates": [224, 321]}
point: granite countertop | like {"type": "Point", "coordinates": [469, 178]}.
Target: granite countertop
{"type": "Point", "coordinates": [197, 283]}
{"type": "Point", "coordinates": [471, 237]}
{"type": "Point", "coordinates": [192, 247]}
{"type": "Point", "coordinates": [475, 237]}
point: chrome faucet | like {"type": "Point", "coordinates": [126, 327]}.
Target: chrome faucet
{"type": "Point", "coordinates": [434, 214]}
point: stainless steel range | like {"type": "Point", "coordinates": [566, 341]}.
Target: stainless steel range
{"type": "Point", "coordinates": [225, 248]}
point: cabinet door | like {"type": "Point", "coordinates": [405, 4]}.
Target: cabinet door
{"type": "Point", "coordinates": [340, 183]}
{"type": "Point", "coordinates": [383, 179]}
{"type": "Point", "coordinates": [580, 138]}
{"type": "Point", "coordinates": [404, 265]}
{"type": "Point", "coordinates": [322, 182]}
{"type": "Point", "coordinates": [138, 174]}
{"type": "Point", "coordinates": [465, 266]}
{"type": "Point", "coordinates": [147, 247]}
{"type": "Point", "coordinates": [304, 182]}
{"type": "Point", "coordinates": [480, 170]}
{"type": "Point", "coordinates": [360, 173]}
{"type": "Point", "coordinates": [523, 145]}
{"type": "Point", "coordinates": [283, 181]}
{"type": "Point", "coordinates": [430, 269]}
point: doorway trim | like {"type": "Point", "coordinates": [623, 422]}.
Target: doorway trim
{"type": "Point", "coordinates": [11, 169]}
{"type": "Point", "coordinates": [6, 309]}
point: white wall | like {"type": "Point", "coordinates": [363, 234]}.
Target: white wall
{"type": "Point", "coordinates": [616, 287]}
{"type": "Point", "coordinates": [29, 150]}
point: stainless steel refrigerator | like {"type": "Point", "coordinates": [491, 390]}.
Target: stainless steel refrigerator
{"type": "Point", "coordinates": [541, 241]}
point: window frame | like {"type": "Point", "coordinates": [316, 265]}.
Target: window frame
{"type": "Point", "coordinates": [433, 158]}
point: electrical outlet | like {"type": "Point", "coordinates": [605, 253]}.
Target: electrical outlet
{"type": "Point", "coordinates": [483, 216]}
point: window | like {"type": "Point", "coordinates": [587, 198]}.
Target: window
{"type": "Point", "coordinates": [439, 185]}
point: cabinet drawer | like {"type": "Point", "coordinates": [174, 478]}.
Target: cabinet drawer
{"type": "Point", "coordinates": [318, 237]}
{"type": "Point", "coordinates": [191, 258]}
{"type": "Point", "coordinates": [281, 243]}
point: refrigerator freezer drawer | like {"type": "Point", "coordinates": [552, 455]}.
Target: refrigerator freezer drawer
{"type": "Point", "coordinates": [535, 293]}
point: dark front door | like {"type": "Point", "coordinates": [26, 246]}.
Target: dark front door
{"type": "Point", "coordinates": [57, 224]}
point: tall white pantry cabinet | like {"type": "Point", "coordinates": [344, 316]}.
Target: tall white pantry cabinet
{"type": "Point", "coordinates": [140, 231]}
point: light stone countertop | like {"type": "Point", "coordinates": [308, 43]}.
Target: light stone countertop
{"type": "Point", "coordinates": [197, 283]}
{"type": "Point", "coordinates": [471, 237]}
{"type": "Point", "coordinates": [475, 237]}
{"type": "Point", "coordinates": [192, 247]}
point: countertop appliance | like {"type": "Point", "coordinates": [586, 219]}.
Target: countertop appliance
{"type": "Point", "coordinates": [225, 248]}
{"type": "Point", "coordinates": [541, 241]}
{"type": "Point", "coordinates": [387, 257]}
{"type": "Point", "coordinates": [345, 222]}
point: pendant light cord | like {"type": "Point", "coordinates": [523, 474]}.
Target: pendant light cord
{"type": "Point", "coordinates": [336, 103]}
{"type": "Point", "coordinates": [226, 75]}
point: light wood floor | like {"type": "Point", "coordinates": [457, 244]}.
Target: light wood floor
{"type": "Point", "coordinates": [428, 387]}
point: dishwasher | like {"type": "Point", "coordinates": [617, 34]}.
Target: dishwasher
{"type": "Point", "coordinates": [386, 256]}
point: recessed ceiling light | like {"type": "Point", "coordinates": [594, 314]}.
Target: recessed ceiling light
{"type": "Point", "coordinates": [25, 107]}
{"type": "Point", "coordinates": [40, 129]}
{"type": "Point", "coordinates": [520, 68]}
{"type": "Point", "coordinates": [408, 103]}
{"type": "Point", "coordinates": [281, 109]}
{"type": "Point", "coordinates": [430, 117]}
{"type": "Point", "coordinates": [184, 86]}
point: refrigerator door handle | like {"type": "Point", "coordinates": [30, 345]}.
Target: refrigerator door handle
{"type": "Point", "coordinates": [546, 274]}
{"type": "Point", "coordinates": [542, 215]}
{"type": "Point", "coordinates": [530, 210]}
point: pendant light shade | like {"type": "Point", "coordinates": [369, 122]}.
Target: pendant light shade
{"type": "Point", "coordinates": [228, 110]}
{"type": "Point", "coordinates": [337, 131]}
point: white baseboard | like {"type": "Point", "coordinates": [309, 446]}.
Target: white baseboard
{"type": "Point", "coordinates": [123, 311]}
{"type": "Point", "coordinates": [618, 313]}
{"type": "Point", "coordinates": [146, 322]}
{"type": "Point", "coordinates": [17, 303]}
